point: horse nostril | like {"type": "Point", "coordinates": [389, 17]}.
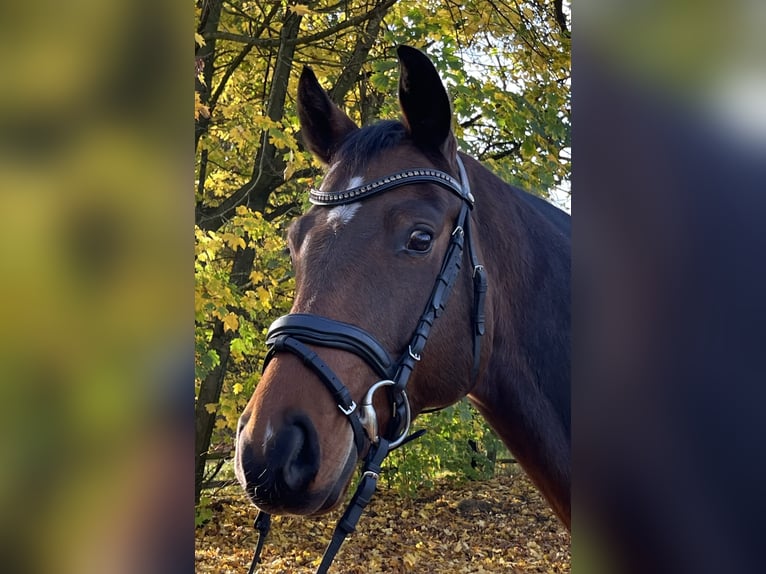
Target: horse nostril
{"type": "Point", "coordinates": [242, 422]}
{"type": "Point", "coordinates": [276, 468]}
{"type": "Point", "coordinates": [294, 453]}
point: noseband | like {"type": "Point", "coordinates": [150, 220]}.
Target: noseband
{"type": "Point", "coordinates": [294, 332]}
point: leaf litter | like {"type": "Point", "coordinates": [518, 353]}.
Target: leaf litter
{"type": "Point", "coordinates": [498, 525]}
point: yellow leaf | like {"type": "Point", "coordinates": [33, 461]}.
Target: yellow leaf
{"type": "Point", "coordinates": [234, 241]}
{"type": "Point", "coordinates": [410, 559]}
{"type": "Point", "coordinates": [211, 407]}
{"type": "Point", "coordinates": [256, 276]}
{"type": "Point", "coordinates": [199, 39]}
{"type": "Point", "coordinates": [300, 9]}
{"type": "Point", "coordinates": [237, 388]}
{"type": "Point", "coordinates": [230, 322]}
{"type": "Point", "coordinates": [200, 109]}
{"type": "Point", "coordinates": [263, 295]}
{"type": "Point", "coordinates": [289, 167]}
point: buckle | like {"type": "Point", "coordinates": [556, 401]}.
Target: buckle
{"type": "Point", "coordinates": [350, 409]}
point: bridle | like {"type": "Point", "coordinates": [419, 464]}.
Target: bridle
{"type": "Point", "coordinates": [294, 332]}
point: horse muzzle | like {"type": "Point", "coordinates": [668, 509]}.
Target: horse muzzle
{"type": "Point", "coordinates": [279, 470]}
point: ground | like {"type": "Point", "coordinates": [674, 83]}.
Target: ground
{"type": "Point", "coordinates": [499, 525]}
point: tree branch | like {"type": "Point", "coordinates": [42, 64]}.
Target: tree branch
{"type": "Point", "coordinates": [558, 8]}
{"type": "Point", "coordinates": [268, 165]}
{"type": "Point", "coordinates": [514, 149]}
{"type": "Point", "coordinates": [238, 59]}
{"type": "Point", "coordinates": [520, 34]}
{"type": "Point", "coordinates": [279, 211]}
{"type": "Point", "coordinates": [209, 21]}
{"type": "Point", "coordinates": [469, 122]}
{"type": "Point", "coordinates": [355, 62]}
{"type": "Point", "coordinates": [202, 172]}
{"type": "Point", "coordinates": [274, 42]}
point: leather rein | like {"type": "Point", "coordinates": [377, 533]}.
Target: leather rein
{"type": "Point", "coordinates": [294, 332]}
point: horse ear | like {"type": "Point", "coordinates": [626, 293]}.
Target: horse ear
{"type": "Point", "coordinates": [424, 101]}
{"type": "Point", "coordinates": [323, 124]}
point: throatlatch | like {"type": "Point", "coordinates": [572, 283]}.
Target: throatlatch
{"type": "Point", "coordinates": [292, 333]}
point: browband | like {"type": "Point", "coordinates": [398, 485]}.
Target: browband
{"type": "Point", "coordinates": [406, 177]}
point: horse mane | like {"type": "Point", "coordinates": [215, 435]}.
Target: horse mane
{"type": "Point", "coordinates": [364, 144]}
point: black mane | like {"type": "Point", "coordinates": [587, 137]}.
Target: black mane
{"type": "Point", "coordinates": [366, 143]}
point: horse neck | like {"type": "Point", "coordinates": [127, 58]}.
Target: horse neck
{"type": "Point", "coordinates": [524, 392]}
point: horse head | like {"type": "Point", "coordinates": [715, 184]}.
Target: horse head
{"type": "Point", "coordinates": [367, 267]}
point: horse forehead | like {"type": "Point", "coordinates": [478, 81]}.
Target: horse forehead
{"type": "Point", "coordinates": [341, 215]}
{"type": "Point", "coordinates": [336, 178]}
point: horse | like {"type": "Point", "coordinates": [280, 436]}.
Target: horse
{"type": "Point", "coordinates": [402, 224]}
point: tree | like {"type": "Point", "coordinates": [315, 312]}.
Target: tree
{"type": "Point", "coordinates": [506, 65]}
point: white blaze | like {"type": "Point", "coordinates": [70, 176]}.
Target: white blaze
{"type": "Point", "coordinates": [355, 181]}
{"type": "Point", "coordinates": [342, 214]}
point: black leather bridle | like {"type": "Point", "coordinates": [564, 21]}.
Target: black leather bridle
{"type": "Point", "coordinates": [293, 333]}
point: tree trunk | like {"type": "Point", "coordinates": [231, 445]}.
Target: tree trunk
{"type": "Point", "coordinates": [211, 17]}
{"type": "Point", "coordinates": [209, 393]}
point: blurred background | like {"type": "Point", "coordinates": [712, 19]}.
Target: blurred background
{"type": "Point", "coordinates": [96, 297]}
{"type": "Point", "coordinates": [669, 161]}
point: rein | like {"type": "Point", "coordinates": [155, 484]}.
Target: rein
{"type": "Point", "coordinates": [292, 333]}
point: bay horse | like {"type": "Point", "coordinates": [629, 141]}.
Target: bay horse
{"type": "Point", "coordinates": [402, 224]}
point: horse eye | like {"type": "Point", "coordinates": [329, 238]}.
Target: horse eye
{"type": "Point", "coordinates": [419, 241]}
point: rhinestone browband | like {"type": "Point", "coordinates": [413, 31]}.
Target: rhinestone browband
{"type": "Point", "coordinates": [406, 177]}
